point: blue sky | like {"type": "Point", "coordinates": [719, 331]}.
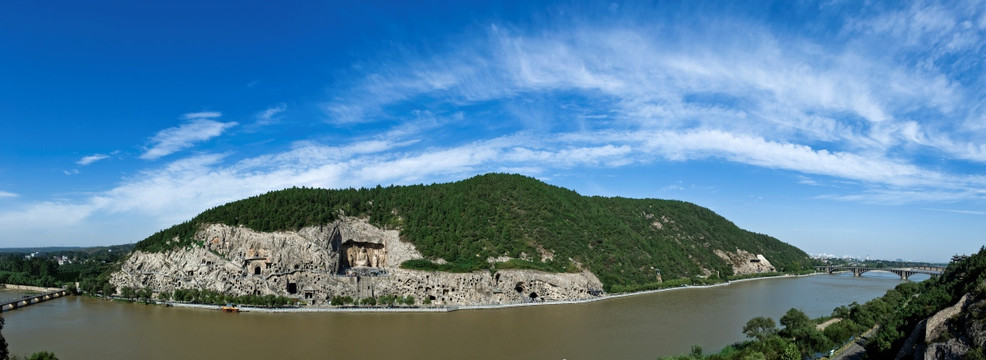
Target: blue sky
{"type": "Point", "coordinates": [842, 127]}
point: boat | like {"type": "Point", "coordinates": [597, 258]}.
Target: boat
{"type": "Point", "coordinates": [230, 308]}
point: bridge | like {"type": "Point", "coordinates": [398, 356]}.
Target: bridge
{"type": "Point", "coordinates": [904, 273]}
{"type": "Point", "coordinates": [32, 299]}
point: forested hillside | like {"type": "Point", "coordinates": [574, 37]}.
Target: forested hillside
{"type": "Point", "coordinates": [625, 242]}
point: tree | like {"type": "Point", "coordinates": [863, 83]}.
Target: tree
{"type": "Point", "coordinates": [4, 353]}
{"type": "Point", "coordinates": [43, 355]}
{"type": "Point", "coordinates": [128, 292]}
{"type": "Point", "coordinates": [798, 328]}
{"type": "Point", "coordinates": [760, 328]}
{"type": "Point", "coordinates": [108, 289]}
{"type": "Point", "coordinates": [696, 351]}
{"type": "Point", "coordinates": [793, 321]}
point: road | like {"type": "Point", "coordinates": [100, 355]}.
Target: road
{"type": "Point", "coordinates": [855, 350]}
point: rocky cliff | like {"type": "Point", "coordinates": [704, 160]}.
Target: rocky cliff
{"type": "Point", "coordinates": [745, 262]}
{"type": "Point", "coordinates": [348, 257]}
{"type": "Point", "coordinates": [949, 334]}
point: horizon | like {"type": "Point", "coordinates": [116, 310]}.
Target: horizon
{"type": "Point", "coordinates": [839, 128]}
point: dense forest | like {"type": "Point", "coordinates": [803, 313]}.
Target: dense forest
{"type": "Point", "coordinates": [626, 242]}
{"type": "Point", "coordinates": [86, 265]}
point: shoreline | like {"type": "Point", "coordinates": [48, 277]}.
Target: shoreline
{"type": "Point", "coordinates": [447, 309]}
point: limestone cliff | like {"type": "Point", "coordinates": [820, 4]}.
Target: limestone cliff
{"type": "Point", "coordinates": [348, 257]}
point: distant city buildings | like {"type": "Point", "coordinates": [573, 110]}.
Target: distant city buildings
{"type": "Point", "coordinates": [62, 260]}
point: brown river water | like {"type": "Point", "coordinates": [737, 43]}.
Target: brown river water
{"type": "Point", "coordinates": [635, 327]}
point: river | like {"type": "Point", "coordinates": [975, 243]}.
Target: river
{"type": "Point", "coordinates": [634, 327]}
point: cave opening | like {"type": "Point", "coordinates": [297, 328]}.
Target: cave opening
{"type": "Point", "coordinates": [519, 288]}
{"type": "Point", "coordinates": [292, 288]}
{"type": "Point", "coordinates": [533, 296]}
{"type": "Point", "coordinates": [256, 270]}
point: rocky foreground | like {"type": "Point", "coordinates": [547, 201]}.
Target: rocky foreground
{"type": "Point", "coordinates": [951, 333]}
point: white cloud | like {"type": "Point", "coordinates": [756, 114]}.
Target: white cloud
{"type": "Point", "coordinates": [202, 115]}
{"type": "Point", "coordinates": [171, 140]}
{"type": "Point", "coordinates": [86, 160]}
{"type": "Point", "coordinates": [958, 211]}
{"type": "Point", "coordinates": [271, 115]}
{"type": "Point", "coordinates": [182, 188]}
{"type": "Point", "coordinates": [45, 215]}
{"type": "Point", "coordinates": [856, 108]}
{"type": "Point", "coordinates": [5, 194]}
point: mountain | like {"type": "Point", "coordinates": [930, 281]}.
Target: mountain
{"type": "Point", "coordinates": [501, 221]}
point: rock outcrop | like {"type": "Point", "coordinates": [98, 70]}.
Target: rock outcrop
{"type": "Point", "coordinates": [348, 257]}
{"type": "Point", "coordinates": [949, 334]}
{"type": "Point", "coordinates": [745, 262]}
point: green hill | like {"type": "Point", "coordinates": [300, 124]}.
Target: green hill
{"type": "Point", "coordinates": [623, 241]}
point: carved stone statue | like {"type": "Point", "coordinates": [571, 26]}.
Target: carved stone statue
{"type": "Point", "coordinates": [361, 258]}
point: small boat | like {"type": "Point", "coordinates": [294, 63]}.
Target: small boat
{"type": "Point", "coordinates": [229, 308]}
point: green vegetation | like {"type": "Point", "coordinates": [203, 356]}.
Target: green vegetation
{"type": "Point", "coordinates": [896, 314]}
{"type": "Point", "coordinates": [43, 355]}
{"type": "Point", "coordinates": [211, 297]}
{"type": "Point", "coordinates": [4, 352]}
{"type": "Point", "coordinates": [385, 300]}
{"type": "Point", "coordinates": [89, 266]}
{"type": "Point", "coordinates": [625, 242]}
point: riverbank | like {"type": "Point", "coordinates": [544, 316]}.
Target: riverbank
{"type": "Point", "coordinates": [444, 309]}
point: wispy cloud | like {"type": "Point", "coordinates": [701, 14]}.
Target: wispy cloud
{"type": "Point", "coordinates": [854, 107]}
{"type": "Point", "coordinates": [5, 194]}
{"type": "Point", "coordinates": [866, 107]}
{"type": "Point", "coordinates": [956, 211]}
{"type": "Point", "coordinates": [199, 128]}
{"type": "Point", "coordinates": [86, 160]}
{"type": "Point", "coordinates": [271, 115]}
{"type": "Point", "coordinates": [202, 115]}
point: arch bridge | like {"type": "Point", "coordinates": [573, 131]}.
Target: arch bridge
{"type": "Point", "coordinates": [904, 273]}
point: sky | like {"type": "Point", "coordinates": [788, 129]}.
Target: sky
{"type": "Point", "coordinates": [841, 127]}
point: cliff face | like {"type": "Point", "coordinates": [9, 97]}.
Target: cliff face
{"type": "Point", "coordinates": [745, 262]}
{"type": "Point", "coordinates": [949, 334]}
{"type": "Point", "coordinates": [348, 257]}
